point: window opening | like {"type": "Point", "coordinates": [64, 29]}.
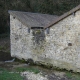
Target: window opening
{"type": "Point", "coordinates": [38, 35]}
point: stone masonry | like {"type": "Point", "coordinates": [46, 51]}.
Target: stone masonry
{"type": "Point", "coordinates": [60, 48]}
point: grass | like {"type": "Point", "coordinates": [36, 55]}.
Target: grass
{"type": "Point", "coordinates": [13, 75]}
{"type": "Point", "coordinates": [69, 75]}
{"type": "Point", "coordinates": [6, 75]}
{"type": "Point", "coordinates": [2, 69]}
{"type": "Point", "coordinates": [21, 69]}
{"type": "Point", "coordinates": [75, 76]}
{"type": "Point", "coordinates": [4, 42]}
{"type": "Point", "coordinates": [10, 76]}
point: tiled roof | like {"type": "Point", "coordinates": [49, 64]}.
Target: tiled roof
{"type": "Point", "coordinates": [33, 19]}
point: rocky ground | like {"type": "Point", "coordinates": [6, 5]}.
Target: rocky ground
{"type": "Point", "coordinates": [44, 74]}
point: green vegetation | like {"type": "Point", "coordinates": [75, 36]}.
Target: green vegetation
{"type": "Point", "coordinates": [75, 76]}
{"type": "Point", "coordinates": [15, 74]}
{"type": "Point", "coordinates": [6, 75]}
{"type": "Point", "coordinates": [69, 75]}
{"type": "Point", "coordinates": [30, 69]}
{"type": "Point", "coordinates": [2, 69]}
{"type": "Point", "coordinates": [10, 76]}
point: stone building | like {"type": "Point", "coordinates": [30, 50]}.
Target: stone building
{"type": "Point", "coordinates": [47, 39]}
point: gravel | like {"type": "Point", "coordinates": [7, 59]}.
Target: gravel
{"type": "Point", "coordinates": [32, 76]}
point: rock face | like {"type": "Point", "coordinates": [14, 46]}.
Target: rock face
{"type": "Point", "coordinates": [60, 48]}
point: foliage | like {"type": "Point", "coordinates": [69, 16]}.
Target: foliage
{"type": "Point", "coordinates": [2, 69]}
{"type": "Point", "coordinates": [6, 75]}
{"type": "Point", "coordinates": [74, 76]}
{"type": "Point", "coordinates": [30, 69]}
{"type": "Point", "coordinates": [69, 74]}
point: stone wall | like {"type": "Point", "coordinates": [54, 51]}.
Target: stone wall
{"type": "Point", "coordinates": [60, 48]}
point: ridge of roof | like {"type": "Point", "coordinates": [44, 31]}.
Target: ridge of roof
{"type": "Point", "coordinates": [63, 16]}
{"type": "Point", "coordinates": [12, 11]}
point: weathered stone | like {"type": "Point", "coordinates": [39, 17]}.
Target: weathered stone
{"type": "Point", "coordinates": [61, 47]}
